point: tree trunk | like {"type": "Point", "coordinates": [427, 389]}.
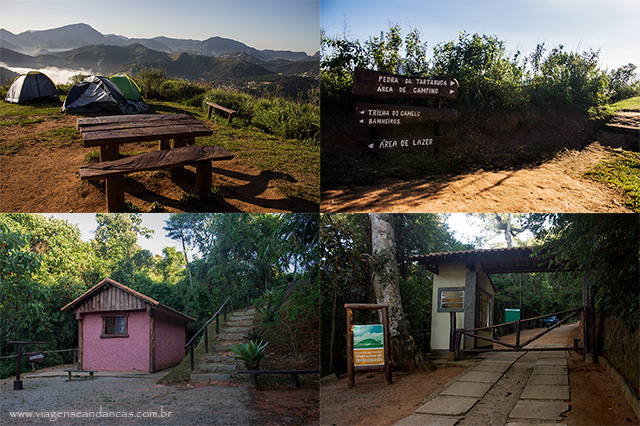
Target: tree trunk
{"type": "Point", "coordinates": [186, 259]}
{"type": "Point", "coordinates": [404, 351]}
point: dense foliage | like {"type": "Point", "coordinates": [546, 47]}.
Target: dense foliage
{"type": "Point", "coordinates": [487, 75]}
{"type": "Point", "coordinates": [346, 274]}
{"type": "Point", "coordinates": [605, 245]}
{"type": "Point", "coordinates": [45, 265]}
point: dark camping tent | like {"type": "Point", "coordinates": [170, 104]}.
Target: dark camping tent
{"type": "Point", "coordinates": [99, 94]}
{"type": "Point", "coordinates": [33, 86]}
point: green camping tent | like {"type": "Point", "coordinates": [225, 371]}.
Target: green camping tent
{"type": "Point", "coordinates": [127, 86]}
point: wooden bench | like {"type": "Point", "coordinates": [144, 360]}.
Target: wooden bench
{"type": "Point", "coordinates": [294, 375]}
{"type": "Point", "coordinates": [220, 107]}
{"type": "Point", "coordinates": [81, 371]}
{"type": "Point", "coordinates": [114, 171]}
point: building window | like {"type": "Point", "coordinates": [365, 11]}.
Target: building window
{"type": "Point", "coordinates": [115, 325]}
{"type": "Point", "coordinates": [451, 299]}
{"type": "Point", "coordinates": [486, 309]}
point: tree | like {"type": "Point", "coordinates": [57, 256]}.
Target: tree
{"type": "Point", "coordinates": [404, 351]}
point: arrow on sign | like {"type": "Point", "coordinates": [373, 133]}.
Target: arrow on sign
{"type": "Point", "coordinates": [362, 121]}
{"type": "Point", "coordinates": [451, 91]}
{"type": "Point", "coordinates": [362, 112]}
{"type": "Point", "coordinates": [371, 146]}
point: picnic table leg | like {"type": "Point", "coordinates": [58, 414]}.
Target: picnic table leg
{"type": "Point", "coordinates": [203, 178]}
{"type": "Point", "coordinates": [109, 152]}
{"type": "Point", "coordinates": [165, 144]}
{"type": "Point", "coordinates": [90, 375]}
{"type": "Point", "coordinates": [209, 115]}
{"type": "Point", "coordinates": [114, 189]}
{"type": "Point", "coordinates": [69, 375]}
{"type": "Point", "coordinates": [294, 381]}
{"type": "Point", "coordinates": [254, 380]}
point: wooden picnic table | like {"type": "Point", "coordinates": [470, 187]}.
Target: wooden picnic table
{"type": "Point", "coordinates": [109, 132]}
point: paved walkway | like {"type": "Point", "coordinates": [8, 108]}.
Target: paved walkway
{"type": "Point", "coordinates": [505, 388]}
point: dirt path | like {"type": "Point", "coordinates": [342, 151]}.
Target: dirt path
{"type": "Point", "coordinates": [41, 175]}
{"type": "Point", "coordinates": [555, 186]}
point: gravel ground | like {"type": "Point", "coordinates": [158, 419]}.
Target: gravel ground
{"type": "Point", "coordinates": [132, 399]}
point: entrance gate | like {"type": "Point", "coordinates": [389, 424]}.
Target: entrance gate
{"type": "Point", "coordinates": [457, 333]}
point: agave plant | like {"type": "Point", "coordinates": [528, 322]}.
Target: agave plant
{"type": "Point", "coordinates": [251, 353]}
{"type": "Point", "coordinates": [254, 334]}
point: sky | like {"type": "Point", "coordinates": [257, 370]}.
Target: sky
{"type": "Point", "coordinates": [611, 26]}
{"type": "Point", "coordinates": [87, 224]}
{"type": "Point", "coordinates": [262, 24]}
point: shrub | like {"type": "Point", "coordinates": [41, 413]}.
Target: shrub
{"type": "Point", "coordinates": [183, 91]}
{"type": "Point", "coordinates": [251, 353]}
{"type": "Point", "coordinates": [151, 82]}
{"type": "Point", "coordinates": [288, 119]}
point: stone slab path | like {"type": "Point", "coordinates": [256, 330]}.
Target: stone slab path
{"type": "Point", "coordinates": [505, 388]}
{"type": "Point", "coordinates": [220, 363]}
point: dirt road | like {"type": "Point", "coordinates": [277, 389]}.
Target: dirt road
{"type": "Point", "coordinates": [555, 186]}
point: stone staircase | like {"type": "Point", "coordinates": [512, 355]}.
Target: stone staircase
{"type": "Point", "coordinates": [220, 363]}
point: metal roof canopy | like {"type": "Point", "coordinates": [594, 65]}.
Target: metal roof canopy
{"type": "Point", "coordinates": [493, 261]}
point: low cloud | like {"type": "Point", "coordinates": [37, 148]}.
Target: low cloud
{"type": "Point", "coordinates": [58, 75]}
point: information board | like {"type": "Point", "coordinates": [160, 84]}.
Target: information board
{"type": "Point", "coordinates": [368, 345]}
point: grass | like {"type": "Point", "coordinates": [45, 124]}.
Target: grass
{"type": "Point", "coordinates": [53, 138]}
{"type": "Point", "coordinates": [293, 164]}
{"type": "Point", "coordinates": [620, 170]}
{"type": "Point", "coordinates": [632, 104]}
{"type": "Point", "coordinates": [38, 110]}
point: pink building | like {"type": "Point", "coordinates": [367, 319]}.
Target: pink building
{"type": "Point", "coordinates": [120, 329]}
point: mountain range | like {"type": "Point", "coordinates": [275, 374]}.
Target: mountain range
{"type": "Point", "coordinates": [74, 36]}
{"type": "Point", "coordinates": [214, 59]}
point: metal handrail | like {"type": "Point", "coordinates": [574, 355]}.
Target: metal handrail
{"type": "Point", "coordinates": [215, 316]}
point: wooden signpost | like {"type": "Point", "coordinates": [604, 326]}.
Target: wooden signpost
{"type": "Point", "coordinates": [366, 356]}
{"type": "Point", "coordinates": [384, 85]}
{"type": "Point", "coordinates": [368, 115]}
{"type": "Point", "coordinates": [17, 383]}
{"type": "Point", "coordinates": [406, 142]}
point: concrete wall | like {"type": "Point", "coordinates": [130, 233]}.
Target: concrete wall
{"type": "Point", "coordinates": [170, 340]}
{"type": "Point", "coordinates": [116, 353]}
{"type": "Point", "coordinates": [450, 276]}
{"type": "Point", "coordinates": [457, 275]}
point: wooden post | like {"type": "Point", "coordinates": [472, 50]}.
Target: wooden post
{"type": "Point", "coordinates": [294, 377]}
{"type": "Point", "coordinates": [109, 152]}
{"type": "Point", "coordinates": [17, 383]}
{"type": "Point", "coordinates": [114, 189]}
{"type": "Point", "coordinates": [452, 337]}
{"type": "Point", "coordinates": [206, 339]}
{"type": "Point", "coordinates": [80, 342]}
{"type": "Point", "coordinates": [203, 178]}
{"type": "Point", "coordinates": [518, 336]}
{"type": "Point", "coordinates": [387, 345]}
{"type": "Point", "coordinates": [152, 339]}
{"type": "Point", "coordinates": [589, 323]}
{"type": "Point", "coordinates": [191, 355]}
{"type": "Point", "coordinates": [217, 324]}
{"type": "Point", "coordinates": [350, 369]}
{"type": "Point", "coordinates": [165, 144]}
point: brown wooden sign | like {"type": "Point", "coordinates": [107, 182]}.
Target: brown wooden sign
{"type": "Point", "coordinates": [35, 357]}
{"type": "Point", "coordinates": [384, 85]}
{"type": "Point", "coordinates": [406, 143]}
{"type": "Point", "coordinates": [370, 115]}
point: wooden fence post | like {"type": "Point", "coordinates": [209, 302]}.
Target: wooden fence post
{"type": "Point", "coordinates": [350, 369]}
{"type": "Point", "coordinates": [518, 336]}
